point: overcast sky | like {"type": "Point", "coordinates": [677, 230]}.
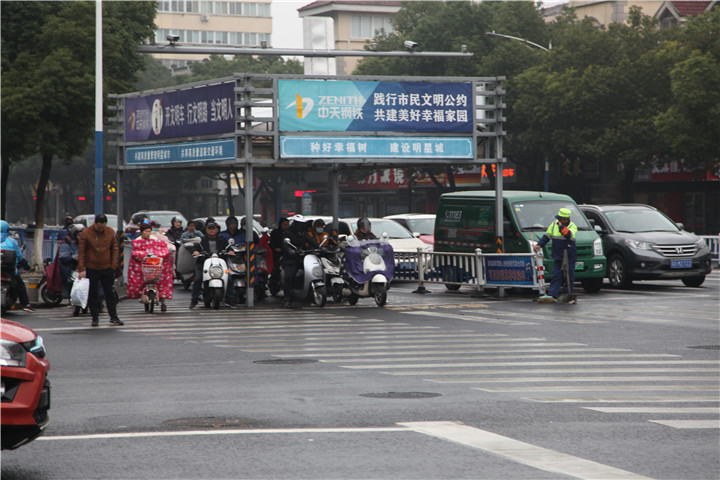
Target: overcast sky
{"type": "Point", "coordinates": [287, 25]}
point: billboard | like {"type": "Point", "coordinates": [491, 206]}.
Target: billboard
{"type": "Point", "coordinates": [375, 106]}
{"type": "Point", "coordinates": [203, 151]}
{"type": "Point", "coordinates": [207, 110]}
{"type": "Point", "coordinates": [376, 147]}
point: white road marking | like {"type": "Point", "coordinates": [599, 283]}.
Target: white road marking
{"type": "Point", "coordinates": [655, 409]}
{"type": "Point", "coordinates": [707, 424]}
{"type": "Point", "coordinates": [574, 379]}
{"type": "Point", "coordinates": [521, 452]}
{"type": "Point", "coordinates": [452, 355]}
{"type": "Point", "coordinates": [552, 370]}
{"type": "Point", "coordinates": [471, 350]}
{"type": "Point", "coordinates": [469, 318]}
{"type": "Point", "coordinates": [191, 433]}
{"type": "Point", "coordinates": [627, 400]}
{"type": "Point", "coordinates": [602, 388]}
{"type": "Point", "coordinates": [532, 364]}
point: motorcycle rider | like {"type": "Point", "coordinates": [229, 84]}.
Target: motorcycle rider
{"type": "Point", "coordinates": [193, 231]}
{"type": "Point", "coordinates": [9, 243]}
{"type": "Point", "coordinates": [363, 231]}
{"type": "Point", "coordinates": [212, 243]}
{"type": "Point", "coordinates": [175, 231]}
{"type": "Point", "coordinates": [290, 258]}
{"type": "Point", "coordinates": [319, 235]}
{"type": "Point", "coordinates": [276, 245]}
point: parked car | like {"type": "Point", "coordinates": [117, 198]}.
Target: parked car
{"type": "Point", "coordinates": [25, 386]}
{"type": "Point", "coordinates": [88, 219]}
{"type": "Point", "coordinates": [401, 239]}
{"type": "Point", "coordinates": [421, 223]}
{"type": "Point", "coordinates": [641, 243]}
{"type": "Point", "coordinates": [163, 217]}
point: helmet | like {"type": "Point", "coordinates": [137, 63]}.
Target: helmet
{"type": "Point", "coordinates": [74, 230]}
{"type": "Point", "coordinates": [319, 223]}
{"type": "Point", "coordinates": [563, 213]}
{"type": "Point", "coordinates": [297, 219]}
{"type": "Point", "coordinates": [363, 223]}
{"type": "Point", "coordinates": [211, 223]}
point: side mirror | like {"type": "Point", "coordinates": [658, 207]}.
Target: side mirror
{"type": "Point", "coordinates": [231, 241]}
{"type": "Point", "coordinates": [598, 229]}
{"type": "Point", "coordinates": [416, 234]}
{"type": "Point", "coordinates": [286, 241]}
{"type": "Point", "coordinates": [680, 226]}
{"type": "Point", "coordinates": [385, 235]}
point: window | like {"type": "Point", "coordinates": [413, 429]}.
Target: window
{"type": "Point", "coordinates": [365, 26]}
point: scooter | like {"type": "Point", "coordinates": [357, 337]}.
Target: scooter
{"type": "Point", "coordinates": [185, 267]}
{"type": "Point", "coordinates": [309, 281]}
{"type": "Point", "coordinates": [369, 266]}
{"type": "Point", "coordinates": [51, 299]}
{"type": "Point", "coordinates": [8, 279]}
{"type": "Point", "coordinates": [237, 270]}
{"type": "Point", "coordinates": [152, 272]}
{"type": "Point", "coordinates": [215, 279]}
{"type": "Point", "coordinates": [332, 264]}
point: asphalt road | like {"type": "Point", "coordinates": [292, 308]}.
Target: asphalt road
{"type": "Point", "coordinates": [622, 385]}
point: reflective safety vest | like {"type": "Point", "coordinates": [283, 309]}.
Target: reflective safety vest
{"type": "Point", "coordinates": [559, 242]}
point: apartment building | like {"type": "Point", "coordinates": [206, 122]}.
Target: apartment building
{"type": "Point", "coordinates": [235, 23]}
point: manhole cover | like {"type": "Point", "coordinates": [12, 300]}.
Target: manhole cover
{"type": "Point", "coordinates": [285, 361]}
{"type": "Point", "coordinates": [400, 395]}
{"type": "Point", "coordinates": [211, 422]}
{"type": "Point", "coordinates": [707, 347]}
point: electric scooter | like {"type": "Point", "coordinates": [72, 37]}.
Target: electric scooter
{"type": "Point", "coordinates": [215, 279]}
{"type": "Point", "coordinates": [185, 267]}
{"type": "Point", "coordinates": [369, 266]}
{"type": "Point", "coordinates": [309, 281]}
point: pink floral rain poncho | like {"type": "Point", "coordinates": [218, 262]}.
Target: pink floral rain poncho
{"type": "Point", "coordinates": [141, 247]}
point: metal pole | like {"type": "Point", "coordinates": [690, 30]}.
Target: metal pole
{"type": "Point", "coordinates": [335, 182]}
{"type": "Point", "coordinates": [98, 109]}
{"type": "Point", "coordinates": [249, 292]}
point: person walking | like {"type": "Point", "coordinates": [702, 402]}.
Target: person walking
{"type": "Point", "coordinates": [562, 233]}
{"type": "Point", "coordinates": [97, 260]}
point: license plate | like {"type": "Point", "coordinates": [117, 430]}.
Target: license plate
{"type": "Point", "coordinates": [680, 263]}
{"type": "Point", "coordinates": [579, 265]}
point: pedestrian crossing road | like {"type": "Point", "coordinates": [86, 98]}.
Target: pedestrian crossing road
{"type": "Point", "coordinates": [659, 387]}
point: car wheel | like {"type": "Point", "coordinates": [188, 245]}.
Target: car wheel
{"type": "Point", "coordinates": [618, 275]}
{"type": "Point", "coordinates": [694, 281]}
{"type": "Point", "coordinates": [592, 285]}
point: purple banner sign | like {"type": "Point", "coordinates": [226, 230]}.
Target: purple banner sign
{"type": "Point", "coordinates": [207, 110]}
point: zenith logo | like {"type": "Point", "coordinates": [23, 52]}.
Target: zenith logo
{"type": "Point", "coordinates": [303, 106]}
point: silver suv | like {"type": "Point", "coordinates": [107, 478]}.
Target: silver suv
{"type": "Point", "coordinates": [641, 243]}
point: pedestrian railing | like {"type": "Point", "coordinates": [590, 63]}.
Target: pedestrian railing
{"type": "Point", "coordinates": [476, 269]}
{"type": "Point", "coordinates": [713, 243]}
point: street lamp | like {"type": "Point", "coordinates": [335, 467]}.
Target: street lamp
{"type": "Point", "coordinates": [526, 42]}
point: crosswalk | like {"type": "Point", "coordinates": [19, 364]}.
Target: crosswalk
{"type": "Point", "coordinates": [662, 388]}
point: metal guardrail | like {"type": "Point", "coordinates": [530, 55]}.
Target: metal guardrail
{"type": "Point", "coordinates": [713, 243]}
{"type": "Point", "coordinates": [26, 238]}
{"type": "Point", "coordinates": [469, 269]}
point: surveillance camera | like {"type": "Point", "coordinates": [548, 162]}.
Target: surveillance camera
{"type": "Point", "coordinates": [410, 45]}
{"type": "Point", "coordinates": [173, 38]}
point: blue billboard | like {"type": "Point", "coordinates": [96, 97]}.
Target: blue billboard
{"type": "Point", "coordinates": [510, 270]}
{"type": "Point", "coordinates": [207, 151]}
{"type": "Point", "coordinates": [207, 110]}
{"type": "Point", "coordinates": [372, 106]}
{"type": "Point", "coordinates": [376, 147]}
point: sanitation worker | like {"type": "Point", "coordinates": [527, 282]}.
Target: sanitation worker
{"type": "Point", "coordinates": [562, 233]}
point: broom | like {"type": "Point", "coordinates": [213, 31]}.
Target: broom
{"type": "Point", "coordinates": [544, 298]}
{"type": "Point", "coordinates": [569, 297]}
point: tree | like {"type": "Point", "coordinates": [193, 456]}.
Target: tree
{"type": "Point", "coordinates": [48, 79]}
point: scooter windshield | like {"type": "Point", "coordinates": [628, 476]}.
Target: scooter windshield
{"type": "Point", "coordinates": [355, 256]}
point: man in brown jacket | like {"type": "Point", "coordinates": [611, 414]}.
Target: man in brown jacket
{"type": "Point", "coordinates": [98, 260]}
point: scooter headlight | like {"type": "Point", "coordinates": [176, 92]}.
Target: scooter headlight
{"type": "Point", "coordinates": [375, 258]}
{"type": "Point", "coordinates": [317, 272]}
{"type": "Point", "coordinates": [216, 271]}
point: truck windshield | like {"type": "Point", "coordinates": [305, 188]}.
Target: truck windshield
{"type": "Point", "coordinates": [537, 215]}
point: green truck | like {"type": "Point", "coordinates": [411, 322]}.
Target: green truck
{"type": "Point", "coordinates": [465, 221]}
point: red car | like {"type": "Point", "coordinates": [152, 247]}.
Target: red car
{"type": "Point", "coordinates": [25, 387]}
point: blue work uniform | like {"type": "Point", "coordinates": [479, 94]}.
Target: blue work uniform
{"type": "Point", "coordinates": [560, 244]}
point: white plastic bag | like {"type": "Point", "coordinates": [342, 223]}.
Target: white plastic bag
{"type": "Point", "coordinates": [80, 292]}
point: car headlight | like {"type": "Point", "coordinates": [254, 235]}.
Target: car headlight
{"type": "Point", "coordinates": [597, 247]}
{"type": "Point", "coordinates": [638, 244]}
{"type": "Point", "coordinates": [700, 244]}
{"type": "Point", "coordinates": [216, 271]}
{"type": "Point", "coordinates": [12, 354]}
